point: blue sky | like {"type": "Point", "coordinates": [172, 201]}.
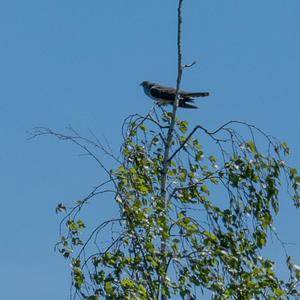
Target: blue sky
{"type": "Point", "coordinates": [79, 63]}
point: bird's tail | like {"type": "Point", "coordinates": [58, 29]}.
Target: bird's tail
{"type": "Point", "coordinates": [184, 104]}
{"type": "Point", "coordinates": [195, 94]}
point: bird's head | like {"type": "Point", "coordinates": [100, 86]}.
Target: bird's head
{"type": "Point", "coordinates": [147, 84]}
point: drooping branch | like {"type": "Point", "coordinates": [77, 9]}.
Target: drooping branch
{"type": "Point", "coordinates": [213, 133]}
{"type": "Point", "coordinates": [78, 140]}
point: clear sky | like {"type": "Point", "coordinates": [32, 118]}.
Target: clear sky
{"type": "Point", "coordinates": [79, 63]}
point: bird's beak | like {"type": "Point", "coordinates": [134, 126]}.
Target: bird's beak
{"type": "Point", "coordinates": [141, 83]}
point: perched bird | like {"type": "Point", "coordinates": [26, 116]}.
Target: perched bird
{"type": "Point", "coordinates": [166, 95]}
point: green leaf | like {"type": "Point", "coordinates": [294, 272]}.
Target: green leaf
{"type": "Point", "coordinates": [183, 126]}
{"type": "Point", "coordinates": [76, 262]}
{"type": "Point", "coordinates": [127, 283]}
{"type": "Point", "coordinates": [143, 292]}
{"type": "Point", "coordinates": [80, 224]}
{"type": "Point", "coordinates": [210, 235]}
{"type": "Point", "coordinates": [279, 292]}
{"type": "Point", "coordinates": [251, 146]}
{"type": "Point", "coordinates": [172, 172]}
{"type": "Point", "coordinates": [78, 277]}
{"type": "Point", "coordinates": [293, 172]}
{"type": "Point", "coordinates": [260, 238]}
{"type": "Point", "coordinates": [204, 189]}
{"type": "Point", "coordinates": [108, 287]}
{"type": "Point", "coordinates": [143, 127]}
{"type": "Point", "coordinates": [92, 298]}
{"type": "Point", "coordinates": [199, 155]}
{"type": "Point", "coordinates": [285, 148]}
{"type": "Point", "coordinates": [212, 159]}
{"type": "Point", "coordinates": [182, 175]}
{"type": "Point", "coordinates": [266, 220]}
{"type": "Point", "coordinates": [167, 116]}
{"type": "Point", "coordinates": [197, 145]}
{"type": "Point", "coordinates": [72, 225]}
{"type": "Point", "coordinates": [60, 208]}
{"type": "Point", "coordinates": [152, 261]}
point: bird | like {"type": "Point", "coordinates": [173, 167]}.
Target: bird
{"type": "Point", "coordinates": [164, 95]}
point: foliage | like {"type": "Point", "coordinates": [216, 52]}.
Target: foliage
{"type": "Point", "coordinates": [207, 236]}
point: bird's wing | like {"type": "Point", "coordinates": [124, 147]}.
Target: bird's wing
{"type": "Point", "coordinates": [159, 92]}
{"type": "Point", "coordinates": [168, 93]}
